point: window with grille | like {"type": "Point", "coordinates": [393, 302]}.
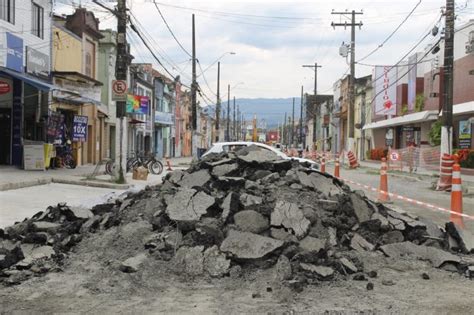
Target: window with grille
{"type": "Point", "coordinates": [88, 64]}
{"type": "Point", "coordinates": [37, 20]}
{"type": "Point", "coordinates": [7, 10]}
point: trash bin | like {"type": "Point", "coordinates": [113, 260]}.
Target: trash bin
{"type": "Point", "coordinates": [48, 154]}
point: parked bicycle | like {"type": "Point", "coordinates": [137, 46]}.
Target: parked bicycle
{"type": "Point", "coordinates": [134, 160]}
{"type": "Point", "coordinates": [64, 157]}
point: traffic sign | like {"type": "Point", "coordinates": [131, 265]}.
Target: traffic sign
{"type": "Point", "coordinates": [394, 156]}
{"type": "Point", "coordinates": [119, 90]}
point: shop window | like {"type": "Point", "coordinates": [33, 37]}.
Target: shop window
{"type": "Point", "coordinates": [7, 10]}
{"type": "Point", "coordinates": [37, 20]}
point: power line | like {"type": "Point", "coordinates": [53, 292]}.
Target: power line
{"type": "Point", "coordinates": [169, 29]}
{"type": "Point", "coordinates": [391, 34]}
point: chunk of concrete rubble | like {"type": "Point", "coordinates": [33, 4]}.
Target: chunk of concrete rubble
{"type": "Point", "coordinates": [464, 238]}
{"type": "Point", "coordinates": [282, 235]}
{"type": "Point", "coordinates": [176, 176]}
{"type": "Point", "coordinates": [391, 237]}
{"type": "Point", "coordinates": [453, 244]}
{"type": "Point", "coordinates": [196, 179]}
{"type": "Point", "coordinates": [258, 156]}
{"type": "Point", "coordinates": [290, 216]}
{"type": "Point", "coordinates": [189, 260]}
{"type": "Point", "coordinates": [91, 224]}
{"type": "Point", "coordinates": [248, 245]}
{"type": "Point", "coordinates": [271, 178]}
{"type": "Point", "coordinates": [229, 205]}
{"type": "Point", "coordinates": [220, 162]}
{"type": "Point", "coordinates": [321, 271]}
{"type": "Point", "coordinates": [312, 244]}
{"type": "Point", "coordinates": [435, 256]}
{"type": "Point", "coordinates": [396, 223]}
{"type": "Point", "coordinates": [81, 213]}
{"type": "Point", "coordinates": [409, 221]}
{"type": "Point", "coordinates": [215, 263]}
{"type": "Point", "coordinates": [319, 183]}
{"type": "Point", "coordinates": [251, 221]}
{"type": "Point", "coordinates": [259, 174]}
{"type": "Point", "coordinates": [248, 200]}
{"type": "Point", "coordinates": [360, 244]}
{"type": "Point", "coordinates": [348, 265]}
{"type": "Point", "coordinates": [189, 205]}
{"type": "Point", "coordinates": [361, 209]}
{"type": "Point", "coordinates": [9, 257]}
{"type": "Point", "coordinates": [384, 223]}
{"type": "Point", "coordinates": [38, 253]}
{"type": "Point", "coordinates": [433, 230]}
{"type": "Point", "coordinates": [43, 226]}
{"type": "Point", "coordinates": [283, 269]}
{"type": "Point", "coordinates": [332, 237]}
{"type": "Point", "coordinates": [133, 264]}
{"type": "Point", "coordinates": [224, 169]}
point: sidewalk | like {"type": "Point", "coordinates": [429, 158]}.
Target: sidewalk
{"type": "Point", "coordinates": [14, 178]}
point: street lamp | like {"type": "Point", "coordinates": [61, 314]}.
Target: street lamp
{"type": "Point", "coordinates": [214, 62]}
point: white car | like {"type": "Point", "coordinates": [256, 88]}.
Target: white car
{"type": "Point", "coordinates": [235, 146]}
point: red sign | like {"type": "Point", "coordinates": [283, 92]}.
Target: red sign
{"type": "Point", "coordinates": [4, 87]}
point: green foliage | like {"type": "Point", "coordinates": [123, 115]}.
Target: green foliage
{"type": "Point", "coordinates": [435, 134]}
{"type": "Point", "coordinates": [419, 103]}
{"type": "Point", "coordinates": [466, 157]}
{"type": "Point", "coordinates": [404, 109]}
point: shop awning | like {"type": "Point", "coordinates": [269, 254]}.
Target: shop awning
{"type": "Point", "coordinates": [426, 115]}
{"type": "Point", "coordinates": [462, 109]}
{"type": "Point", "coordinates": [40, 85]}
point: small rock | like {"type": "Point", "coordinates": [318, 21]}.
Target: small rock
{"type": "Point", "coordinates": [372, 274]}
{"type": "Point", "coordinates": [229, 205]}
{"type": "Point", "coordinates": [370, 286]}
{"type": "Point", "coordinates": [196, 179]}
{"type": "Point", "coordinates": [249, 201]}
{"type": "Point", "coordinates": [282, 235]}
{"type": "Point", "coordinates": [348, 265]}
{"type": "Point", "coordinates": [190, 260]}
{"type": "Point", "coordinates": [425, 276]}
{"type": "Point", "coordinates": [248, 245]}
{"type": "Point", "coordinates": [235, 272]}
{"type": "Point", "coordinates": [283, 269]}
{"type": "Point", "coordinates": [361, 244]}
{"type": "Point", "coordinates": [321, 271]}
{"type": "Point", "coordinates": [312, 244]}
{"type": "Point", "coordinates": [392, 237]}
{"type": "Point", "coordinates": [132, 264]}
{"type": "Point", "coordinates": [269, 289]}
{"type": "Point", "coordinates": [296, 186]}
{"type": "Point", "coordinates": [43, 226]}
{"type": "Point", "coordinates": [463, 236]}
{"type": "Point", "coordinates": [290, 216]}
{"type": "Point", "coordinates": [359, 277]}
{"type": "Point", "coordinates": [388, 282]}
{"type": "Point", "coordinates": [91, 224]}
{"type": "Point", "coordinates": [470, 272]}
{"type": "Point", "coordinates": [256, 295]}
{"type": "Point", "coordinates": [215, 263]}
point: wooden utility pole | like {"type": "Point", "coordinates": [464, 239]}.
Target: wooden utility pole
{"type": "Point", "coordinates": [352, 24]}
{"type": "Point", "coordinates": [218, 102]}
{"type": "Point", "coordinates": [121, 68]}
{"type": "Point", "coordinates": [447, 118]}
{"type": "Point", "coordinates": [285, 132]}
{"type": "Point", "coordinates": [301, 121]}
{"type": "Point", "coordinates": [293, 124]}
{"type": "Point", "coordinates": [233, 124]}
{"type": "Point", "coordinates": [193, 94]}
{"type": "Point", "coordinates": [315, 66]}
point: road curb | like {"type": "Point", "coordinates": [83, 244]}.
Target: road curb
{"type": "Point", "coordinates": [25, 184]}
{"type": "Point", "coordinates": [90, 183]}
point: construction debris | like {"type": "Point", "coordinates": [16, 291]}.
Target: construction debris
{"type": "Point", "coordinates": [234, 211]}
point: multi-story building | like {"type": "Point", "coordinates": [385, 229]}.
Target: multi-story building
{"type": "Point", "coordinates": [76, 110]}
{"type": "Point", "coordinates": [165, 99]}
{"type": "Point", "coordinates": [25, 59]}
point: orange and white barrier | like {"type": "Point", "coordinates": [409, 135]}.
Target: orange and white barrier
{"type": "Point", "coordinates": [456, 197]}
{"type": "Point", "coordinates": [383, 197]}
{"type": "Point", "coordinates": [323, 164]}
{"type": "Point", "coordinates": [446, 171]}
{"type": "Point", "coordinates": [168, 164]}
{"type": "Point", "coordinates": [336, 166]}
{"type": "Point", "coordinates": [352, 160]}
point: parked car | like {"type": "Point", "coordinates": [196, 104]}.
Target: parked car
{"type": "Point", "coordinates": [235, 146]}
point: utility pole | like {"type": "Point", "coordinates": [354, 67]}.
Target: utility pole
{"type": "Point", "coordinates": [233, 124]}
{"type": "Point", "coordinates": [193, 95]}
{"type": "Point", "coordinates": [218, 102]}
{"type": "Point", "coordinates": [316, 66]}
{"type": "Point", "coordinates": [227, 137]}
{"type": "Point", "coordinates": [238, 123]}
{"type": "Point", "coordinates": [285, 132]}
{"type": "Point", "coordinates": [350, 112]}
{"type": "Point", "coordinates": [121, 68]}
{"type": "Point", "coordinates": [301, 120]}
{"type": "Point", "coordinates": [447, 118]}
{"type": "Point", "coordinates": [362, 131]}
{"type": "Point", "coordinates": [293, 124]}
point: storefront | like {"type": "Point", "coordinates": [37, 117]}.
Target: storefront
{"type": "Point", "coordinates": [463, 117]}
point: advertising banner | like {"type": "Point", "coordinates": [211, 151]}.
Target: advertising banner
{"type": "Point", "coordinates": [412, 82]}
{"type": "Point", "coordinates": [385, 90]}
{"type": "Point", "coordinates": [79, 128]}
{"type": "Point", "coordinates": [14, 58]}
{"type": "Point", "coordinates": [37, 63]}
{"type": "Point", "coordinates": [464, 134]}
{"type": "Point", "coordinates": [137, 104]}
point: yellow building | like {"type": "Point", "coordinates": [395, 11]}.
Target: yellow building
{"type": "Point", "coordinates": [77, 99]}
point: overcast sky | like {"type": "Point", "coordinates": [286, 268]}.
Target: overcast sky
{"type": "Point", "coordinates": [273, 39]}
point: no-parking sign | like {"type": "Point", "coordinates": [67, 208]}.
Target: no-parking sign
{"type": "Point", "coordinates": [394, 156]}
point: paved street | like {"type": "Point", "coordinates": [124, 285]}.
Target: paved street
{"type": "Point", "coordinates": [415, 187]}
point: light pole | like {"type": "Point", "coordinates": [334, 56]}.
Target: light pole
{"type": "Point", "coordinates": [215, 61]}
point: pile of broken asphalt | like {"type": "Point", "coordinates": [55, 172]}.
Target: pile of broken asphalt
{"type": "Point", "coordinates": [234, 212]}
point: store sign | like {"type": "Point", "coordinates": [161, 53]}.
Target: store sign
{"type": "Point", "coordinates": [14, 58]}
{"type": "Point", "coordinates": [70, 89]}
{"type": "Point", "coordinates": [385, 90]}
{"type": "Point", "coordinates": [5, 87]}
{"type": "Point", "coordinates": [408, 128]}
{"type": "Point", "coordinates": [465, 134]}
{"type": "Point", "coordinates": [389, 137]}
{"type": "Point", "coordinates": [37, 63]}
{"type": "Point", "coordinates": [79, 128]}
{"type": "Point", "coordinates": [137, 104]}
{"type": "Point", "coordinates": [163, 118]}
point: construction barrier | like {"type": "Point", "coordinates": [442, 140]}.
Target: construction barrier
{"type": "Point", "coordinates": [323, 164]}
{"type": "Point", "coordinates": [352, 160]}
{"type": "Point", "coordinates": [383, 197]}
{"type": "Point", "coordinates": [168, 164]}
{"type": "Point", "coordinates": [456, 197]}
{"type": "Point", "coordinates": [336, 166]}
{"type": "Point", "coordinates": [446, 171]}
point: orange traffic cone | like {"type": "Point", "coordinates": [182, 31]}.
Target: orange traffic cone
{"type": "Point", "coordinates": [352, 160]}
{"type": "Point", "coordinates": [336, 166]}
{"type": "Point", "coordinates": [383, 188]}
{"type": "Point", "coordinates": [446, 170]}
{"type": "Point", "coordinates": [323, 164]}
{"type": "Point", "coordinates": [456, 196]}
{"type": "Point", "coordinates": [168, 164]}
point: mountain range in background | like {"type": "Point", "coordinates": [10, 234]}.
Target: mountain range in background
{"type": "Point", "coordinates": [272, 110]}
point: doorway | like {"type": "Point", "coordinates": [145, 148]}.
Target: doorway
{"type": "Point", "coordinates": [5, 135]}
